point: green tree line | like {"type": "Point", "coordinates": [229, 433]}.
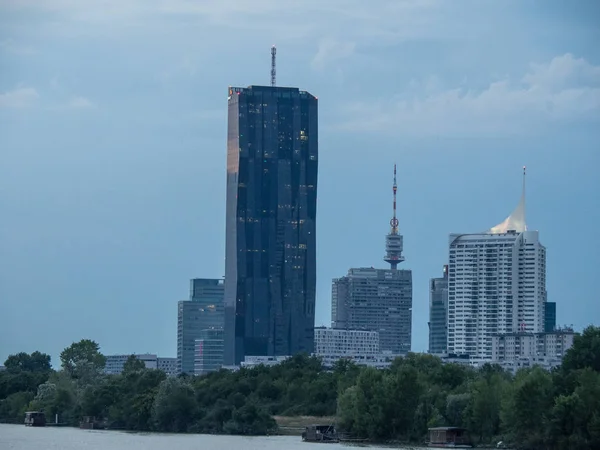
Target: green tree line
{"type": "Point", "coordinates": [534, 409]}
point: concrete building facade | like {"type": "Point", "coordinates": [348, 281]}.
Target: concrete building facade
{"type": "Point", "coordinates": [377, 300]}
{"type": "Point", "coordinates": [167, 365]}
{"type": "Point", "coordinates": [518, 350]}
{"type": "Point", "coordinates": [333, 344]}
{"type": "Point", "coordinates": [496, 285]}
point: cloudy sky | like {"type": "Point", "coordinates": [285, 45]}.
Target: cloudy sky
{"type": "Point", "coordinates": [112, 147]}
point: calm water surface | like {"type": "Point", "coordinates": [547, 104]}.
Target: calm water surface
{"type": "Point", "coordinates": [20, 437]}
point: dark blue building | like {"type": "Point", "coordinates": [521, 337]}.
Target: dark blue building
{"type": "Point", "coordinates": [438, 317]}
{"type": "Point", "coordinates": [270, 267]}
{"type": "Point", "coordinates": [550, 317]}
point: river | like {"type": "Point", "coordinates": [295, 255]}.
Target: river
{"type": "Point", "coordinates": [20, 437]}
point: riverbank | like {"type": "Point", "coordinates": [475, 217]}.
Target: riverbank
{"type": "Point", "coordinates": [295, 425]}
{"type": "Point", "coordinates": [20, 437]}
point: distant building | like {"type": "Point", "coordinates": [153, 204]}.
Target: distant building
{"type": "Point", "coordinates": [253, 361]}
{"type": "Point", "coordinates": [378, 299]}
{"type": "Point", "coordinates": [270, 263]}
{"type": "Point", "coordinates": [115, 363]}
{"type": "Point", "coordinates": [438, 319]}
{"type": "Point", "coordinates": [513, 346]}
{"type": "Point", "coordinates": [496, 285]}
{"type": "Point", "coordinates": [209, 351]}
{"type": "Point", "coordinates": [204, 310]}
{"type": "Point", "coordinates": [167, 365]}
{"type": "Point", "coordinates": [550, 317]}
{"type": "Point", "coordinates": [334, 344]}
{"type": "Point", "coordinates": [516, 351]}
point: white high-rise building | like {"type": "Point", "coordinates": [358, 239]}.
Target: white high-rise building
{"type": "Point", "coordinates": [496, 284]}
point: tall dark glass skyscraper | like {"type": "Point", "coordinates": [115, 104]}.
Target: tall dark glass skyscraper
{"type": "Point", "coordinates": [438, 314]}
{"type": "Point", "coordinates": [270, 267]}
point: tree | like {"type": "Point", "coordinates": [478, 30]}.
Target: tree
{"type": "Point", "coordinates": [585, 351]}
{"type": "Point", "coordinates": [250, 419]}
{"type": "Point", "coordinates": [575, 418]}
{"type": "Point", "coordinates": [36, 362]}
{"type": "Point", "coordinates": [45, 393]}
{"type": "Point", "coordinates": [525, 409]}
{"type": "Point", "coordinates": [133, 364]}
{"type": "Point", "coordinates": [82, 360]}
{"type": "Point", "coordinates": [485, 405]}
{"type": "Point", "coordinates": [14, 406]}
{"type": "Point", "coordinates": [456, 409]}
{"type": "Point", "coordinates": [175, 405]}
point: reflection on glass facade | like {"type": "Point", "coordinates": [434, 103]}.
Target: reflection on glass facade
{"type": "Point", "coordinates": [270, 267]}
{"type": "Point", "coordinates": [550, 317]}
{"type": "Point", "coordinates": [209, 351]}
{"type": "Point", "coordinates": [204, 310]}
{"type": "Point", "coordinates": [438, 306]}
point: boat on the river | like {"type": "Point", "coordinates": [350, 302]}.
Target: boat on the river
{"type": "Point", "coordinates": [449, 437]}
{"type": "Point", "coordinates": [35, 419]}
{"type": "Point", "coordinates": [320, 433]}
{"type": "Point", "coordinates": [92, 423]}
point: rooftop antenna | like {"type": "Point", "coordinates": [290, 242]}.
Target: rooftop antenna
{"type": "Point", "coordinates": [273, 52]}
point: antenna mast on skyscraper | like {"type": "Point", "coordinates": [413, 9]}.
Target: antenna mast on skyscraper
{"type": "Point", "coordinates": [273, 52]}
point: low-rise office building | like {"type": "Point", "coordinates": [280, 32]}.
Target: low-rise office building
{"type": "Point", "coordinates": [167, 365]}
{"type": "Point", "coordinates": [253, 361]}
{"type": "Point", "coordinates": [116, 363]}
{"type": "Point", "coordinates": [360, 346]}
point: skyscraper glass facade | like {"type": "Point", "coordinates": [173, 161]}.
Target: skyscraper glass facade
{"type": "Point", "coordinates": [209, 351]}
{"type": "Point", "coordinates": [550, 317]}
{"type": "Point", "coordinates": [438, 317]}
{"type": "Point", "coordinates": [204, 310]}
{"type": "Point", "coordinates": [270, 268]}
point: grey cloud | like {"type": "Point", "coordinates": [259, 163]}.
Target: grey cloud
{"type": "Point", "coordinates": [544, 95]}
{"type": "Point", "coordinates": [21, 97]}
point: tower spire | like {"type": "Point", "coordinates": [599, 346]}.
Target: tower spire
{"type": "Point", "coordinates": [394, 221]}
{"type": "Point", "coordinates": [394, 240]}
{"type": "Point", "coordinates": [516, 221]}
{"type": "Point", "coordinates": [273, 53]}
{"type": "Point", "coordinates": [523, 196]}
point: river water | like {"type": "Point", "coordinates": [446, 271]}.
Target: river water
{"type": "Point", "coordinates": [20, 437]}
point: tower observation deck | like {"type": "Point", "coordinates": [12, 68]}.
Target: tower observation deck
{"type": "Point", "coordinates": [394, 242]}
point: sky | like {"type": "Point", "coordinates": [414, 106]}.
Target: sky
{"type": "Point", "coordinates": [113, 147]}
